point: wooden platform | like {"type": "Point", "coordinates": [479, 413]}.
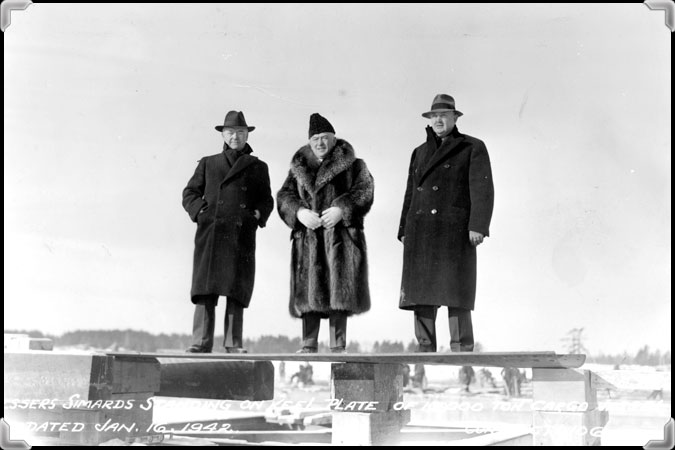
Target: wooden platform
{"type": "Point", "coordinates": [549, 360]}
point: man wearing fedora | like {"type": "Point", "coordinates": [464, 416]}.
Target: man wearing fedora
{"type": "Point", "coordinates": [446, 214]}
{"type": "Point", "coordinates": [324, 200]}
{"type": "Point", "coordinates": [228, 197]}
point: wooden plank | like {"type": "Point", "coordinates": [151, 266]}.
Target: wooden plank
{"type": "Point", "coordinates": [23, 342]}
{"type": "Point", "coordinates": [366, 387]}
{"type": "Point", "coordinates": [569, 428]}
{"type": "Point", "coordinates": [232, 424]}
{"type": "Point", "coordinates": [479, 434]}
{"type": "Point", "coordinates": [487, 359]}
{"type": "Point", "coordinates": [47, 375]}
{"type": "Point", "coordinates": [250, 437]}
{"type": "Point", "coordinates": [563, 390]}
{"type": "Point", "coordinates": [101, 425]}
{"type": "Point", "coordinates": [132, 374]}
{"type": "Point", "coordinates": [378, 428]}
{"type": "Point", "coordinates": [222, 380]}
{"type": "Point", "coordinates": [40, 344]}
{"type": "Point", "coordinates": [76, 421]}
{"type": "Point", "coordinates": [56, 411]}
{"type": "Point", "coordinates": [16, 342]}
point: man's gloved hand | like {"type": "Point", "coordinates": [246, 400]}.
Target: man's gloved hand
{"type": "Point", "coordinates": [309, 218]}
{"type": "Point", "coordinates": [331, 217]}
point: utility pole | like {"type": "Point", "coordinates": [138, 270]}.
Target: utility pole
{"type": "Point", "coordinates": [575, 346]}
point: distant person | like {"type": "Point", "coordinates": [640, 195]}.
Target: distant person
{"type": "Point", "coordinates": [486, 379]}
{"type": "Point", "coordinates": [405, 370]}
{"type": "Point", "coordinates": [419, 377]}
{"type": "Point", "coordinates": [466, 376]}
{"type": "Point", "coordinates": [229, 198]}
{"type": "Point", "coordinates": [324, 200]}
{"type": "Point", "coordinates": [304, 376]}
{"type": "Point", "coordinates": [519, 378]}
{"type": "Point", "coordinates": [446, 214]}
{"type": "Point", "coordinates": [309, 373]}
{"type": "Point", "coordinates": [282, 370]}
{"type": "Point", "coordinates": [511, 377]}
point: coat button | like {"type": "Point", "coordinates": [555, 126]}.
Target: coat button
{"type": "Point", "coordinates": [420, 188]}
{"type": "Point", "coordinates": [433, 211]}
{"type": "Point", "coordinates": [447, 166]}
{"type": "Point", "coordinates": [220, 202]}
{"type": "Point", "coordinates": [243, 188]}
{"type": "Point", "coordinates": [435, 188]}
{"type": "Point", "coordinates": [242, 206]}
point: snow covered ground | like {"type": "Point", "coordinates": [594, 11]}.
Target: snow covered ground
{"type": "Point", "coordinates": [633, 418]}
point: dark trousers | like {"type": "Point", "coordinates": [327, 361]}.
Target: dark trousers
{"type": "Point", "coordinates": [338, 329]}
{"type": "Point", "coordinates": [461, 328]}
{"type": "Point", "coordinates": [204, 322]}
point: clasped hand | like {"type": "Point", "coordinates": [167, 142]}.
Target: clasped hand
{"type": "Point", "coordinates": [328, 219]}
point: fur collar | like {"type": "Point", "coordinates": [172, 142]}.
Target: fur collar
{"type": "Point", "coordinates": [339, 160]}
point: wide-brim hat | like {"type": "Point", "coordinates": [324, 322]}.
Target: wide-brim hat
{"type": "Point", "coordinates": [442, 103]}
{"type": "Point", "coordinates": [234, 119]}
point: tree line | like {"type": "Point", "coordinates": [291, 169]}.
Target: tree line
{"type": "Point", "coordinates": [643, 357]}
{"type": "Point", "coordinates": [142, 341]}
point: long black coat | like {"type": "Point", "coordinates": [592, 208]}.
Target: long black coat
{"type": "Point", "coordinates": [224, 257]}
{"type": "Point", "coordinates": [446, 196]}
{"type": "Point", "coordinates": [329, 267]}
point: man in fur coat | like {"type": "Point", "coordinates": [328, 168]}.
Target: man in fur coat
{"type": "Point", "coordinates": [446, 215]}
{"type": "Point", "coordinates": [229, 197]}
{"type": "Point", "coordinates": [324, 199]}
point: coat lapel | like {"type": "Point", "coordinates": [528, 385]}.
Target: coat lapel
{"type": "Point", "coordinates": [300, 167]}
{"type": "Point", "coordinates": [222, 165]}
{"type": "Point", "coordinates": [339, 160]}
{"type": "Point", "coordinates": [448, 147]}
{"type": "Point", "coordinates": [242, 163]}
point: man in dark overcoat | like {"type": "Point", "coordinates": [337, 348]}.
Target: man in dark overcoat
{"type": "Point", "coordinates": [324, 200]}
{"type": "Point", "coordinates": [446, 214]}
{"type": "Point", "coordinates": [229, 198]}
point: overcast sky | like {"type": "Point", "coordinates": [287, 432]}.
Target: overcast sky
{"type": "Point", "coordinates": [109, 107]}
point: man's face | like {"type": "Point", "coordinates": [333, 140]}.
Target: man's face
{"type": "Point", "coordinates": [442, 122]}
{"type": "Point", "coordinates": [322, 143]}
{"type": "Point", "coordinates": [235, 137]}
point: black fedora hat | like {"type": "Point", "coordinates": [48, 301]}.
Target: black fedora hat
{"type": "Point", "coordinates": [234, 119]}
{"type": "Point", "coordinates": [442, 103]}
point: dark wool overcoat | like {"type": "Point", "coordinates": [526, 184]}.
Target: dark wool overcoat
{"type": "Point", "coordinates": [449, 192]}
{"type": "Point", "coordinates": [224, 257]}
{"type": "Point", "coordinates": [329, 267]}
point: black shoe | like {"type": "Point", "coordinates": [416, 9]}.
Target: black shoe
{"type": "Point", "coordinates": [198, 349]}
{"type": "Point", "coordinates": [425, 349]}
{"type": "Point", "coordinates": [235, 350]}
{"type": "Point", "coordinates": [338, 350]}
{"type": "Point", "coordinates": [307, 350]}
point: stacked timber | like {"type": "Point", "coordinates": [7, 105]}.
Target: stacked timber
{"type": "Point", "coordinates": [565, 408]}
{"type": "Point", "coordinates": [79, 398]}
{"type": "Point", "coordinates": [23, 342]}
{"type": "Point", "coordinates": [366, 403]}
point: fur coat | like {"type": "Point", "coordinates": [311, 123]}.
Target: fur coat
{"type": "Point", "coordinates": [329, 267]}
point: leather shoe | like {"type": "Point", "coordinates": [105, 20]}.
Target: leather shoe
{"type": "Point", "coordinates": [338, 350]}
{"type": "Point", "coordinates": [198, 349]}
{"type": "Point", "coordinates": [425, 349]}
{"type": "Point", "coordinates": [235, 350]}
{"type": "Point", "coordinates": [307, 350]}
